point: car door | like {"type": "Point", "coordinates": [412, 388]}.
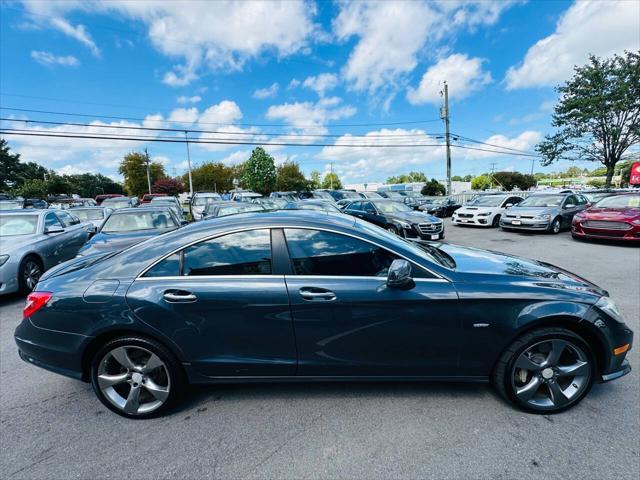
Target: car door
{"type": "Point", "coordinates": [349, 323]}
{"type": "Point", "coordinates": [570, 207]}
{"type": "Point", "coordinates": [224, 304]}
{"type": "Point", "coordinates": [74, 236]}
{"type": "Point", "coordinates": [53, 246]}
{"type": "Point", "coordinates": [371, 214]}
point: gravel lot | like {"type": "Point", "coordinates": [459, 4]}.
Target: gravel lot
{"type": "Point", "coordinates": [53, 427]}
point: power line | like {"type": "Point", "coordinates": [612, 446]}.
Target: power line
{"type": "Point", "coordinates": [137, 119]}
{"type": "Point", "coordinates": [222, 132]}
{"type": "Point", "coordinates": [141, 138]}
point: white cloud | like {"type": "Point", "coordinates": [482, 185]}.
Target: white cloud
{"type": "Point", "coordinates": [185, 116]}
{"type": "Point", "coordinates": [48, 58]}
{"type": "Point", "coordinates": [523, 142]}
{"type": "Point", "coordinates": [321, 83]}
{"type": "Point", "coordinates": [78, 32]}
{"type": "Point", "coordinates": [183, 99]}
{"type": "Point", "coordinates": [219, 35]}
{"type": "Point", "coordinates": [463, 74]}
{"type": "Point", "coordinates": [309, 117]}
{"type": "Point", "coordinates": [267, 92]}
{"type": "Point", "coordinates": [587, 27]}
{"type": "Point", "coordinates": [391, 35]}
{"type": "Point", "coordinates": [294, 83]}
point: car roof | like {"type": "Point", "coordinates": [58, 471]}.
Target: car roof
{"type": "Point", "coordinates": [140, 209]}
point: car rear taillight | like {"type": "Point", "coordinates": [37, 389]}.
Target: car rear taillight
{"type": "Point", "coordinates": [35, 301]}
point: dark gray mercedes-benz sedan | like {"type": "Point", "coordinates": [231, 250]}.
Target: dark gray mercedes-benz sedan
{"type": "Point", "coordinates": [306, 295]}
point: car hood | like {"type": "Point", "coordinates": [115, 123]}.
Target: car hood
{"type": "Point", "coordinates": [412, 217]}
{"type": "Point", "coordinates": [102, 242]}
{"type": "Point", "coordinates": [18, 242]}
{"type": "Point", "coordinates": [620, 214]}
{"type": "Point", "coordinates": [475, 261]}
{"type": "Point", "coordinates": [532, 210]}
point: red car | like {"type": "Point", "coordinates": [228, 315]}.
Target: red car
{"type": "Point", "coordinates": [147, 197]}
{"type": "Point", "coordinates": [614, 218]}
{"type": "Point", "coordinates": [104, 196]}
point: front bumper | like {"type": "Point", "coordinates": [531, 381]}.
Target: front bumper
{"type": "Point", "coordinates": [9, 277]}
{"type": "Point", "coordinates": [424, 232]}
{"type": "Point", "coordinates": [632, 234]}
{"type": "Point", "coordinates": [473, 219]}
{"type": "Point", "coordinates": [524, 223]}
{"type": "Point", "coordinates": [625, 368]}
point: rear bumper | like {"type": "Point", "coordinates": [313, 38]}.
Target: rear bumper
{"type": "Point", "coordinates": [52, 350]}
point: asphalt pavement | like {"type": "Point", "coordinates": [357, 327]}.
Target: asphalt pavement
{"type": "Point", "coordinates": [52, 427]}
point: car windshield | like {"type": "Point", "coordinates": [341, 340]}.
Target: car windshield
{"type": "Point", "coordinates": [232, 210]}
{"type": "Point", "coordinates": [542, 201]}
{"type": "Point", "coordinates": [620, 201]}
{"type": "Point", "coordinates": [596, 197]}
{"type": "Point", "coordinates": [488, 201]}
{"type": "Point", "coordinates": [351, 195]}
{"type": "Point", "coordinates": [18, 225]}
{"type": "Point", "coordinates": [95, 214]}
{"type": "Point", "coordinates": [373, 195]}
{"type": "Point", "coordinates": [10, 205]}
{"type": "Point", "coordinates": [116, 203]}
{"type": "Point", "coordinates": [201, 201]}
{"type": "Point", "coordinates": [325, 195]}
{"type": "Point", "coordinates": [131, 221]}
{"type": "Point", "coordinates": [391, 207]}
{"type": "Point", "coordinates": [393, 195]}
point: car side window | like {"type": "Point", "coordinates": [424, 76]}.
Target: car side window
{"type": "Point", "coordinates": [169, 267]}
{"type": "Point", "coordinates": [67, 219]}
{"type": "Point", "coordinates": [368, 207]}
{"type": "Point", "coordinates": [241, 253]}
{"type": "Point", "coordinates": [316, 252]}
{"type": "Point", "coordinates": [52, 221]}
{"type": "Point", "coordinates": [581, 200]}
{"type": "Point", "coordinates": [355, 206]}
{"type": "Point", "coordinates": [571, 200]}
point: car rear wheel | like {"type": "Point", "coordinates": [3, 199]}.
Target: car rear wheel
{"type": "Point", "coordinates": [545, 371]}
{"type": "Point", "coordinates": [29, 273]}
{"type": "Point", "coordinates": [136, 377]}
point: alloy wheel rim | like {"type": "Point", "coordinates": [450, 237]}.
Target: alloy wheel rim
{"type": "Point", "coordinates": [556, 226]}
{"type": "Point", "coordinates": [134, 379]}
{"type": "Point", "coordinates": [551, 374]}
{"type": "Point", "coordinates": [32, 274]}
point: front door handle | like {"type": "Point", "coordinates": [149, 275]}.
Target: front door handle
{"type": "Point", "coordinates": [179, 296]}
{"type": "Point", "coordinates": [317, 294]}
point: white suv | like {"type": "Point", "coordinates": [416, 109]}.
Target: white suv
{"type": "Point", "coordinates": [484, 210]}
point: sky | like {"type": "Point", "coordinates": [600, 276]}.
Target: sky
{"type": "Point", "coordinates": [327, 76]}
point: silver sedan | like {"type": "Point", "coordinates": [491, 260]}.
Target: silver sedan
{"type": "Point", "coordinates": [32, 241]}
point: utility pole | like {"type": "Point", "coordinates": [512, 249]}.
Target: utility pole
{"type": "Point", "coordinates": [186, 137]}
{"type": "Point", "coordinates": [331, 175]}
{"type": "Point", "coordinates": [493, 169]}
{"type": "Point", "coordinates": [146, 161]}
{"type": "Point", "coordinates": [444, 114]}
{"type": "Point", "coordinates": [533, 161]}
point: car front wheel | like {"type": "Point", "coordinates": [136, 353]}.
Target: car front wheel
{"type": "Point", "coordinates": [545, 371]}
{"type": "Point", "coordinates": [136, 377]}
{"type": "Point", "coordinates": [555, 226]}
{"type": "Point", "coordinates": [29, 274]}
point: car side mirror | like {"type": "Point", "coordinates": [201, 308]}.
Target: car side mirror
{"type": "Point", "coordinates": [53, 229]}
{"type": "Point", "coordinates": [508, 205]}
{"type": "Point", "coordinates": [399, 275]}
{"type": "Point", "coordinates": [569, 205]}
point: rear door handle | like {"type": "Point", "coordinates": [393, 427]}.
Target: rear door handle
{"type": "Point", "coordinates": [317, 294]}
{"type": "Point", "coordinates": [179, 296]}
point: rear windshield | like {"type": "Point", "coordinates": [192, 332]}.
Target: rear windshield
{"type": "Point", "coordinates": [97, 214]}
{"type": "Point", "coordinates": [116, 203]}
{"type": "Point", "coordinates": [132, 221]}
{"type": "Point", "coordinates": [10, 205]}
{"type": "Point", "coordinates": [18, 225]}
{"type": "Point", "coordinates": [224, 211]}
{"type": "Point", "coordinates": [201, 201]}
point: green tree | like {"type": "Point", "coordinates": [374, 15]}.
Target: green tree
{"type": "Point", "coordinates": [290, 178]}
{"type": "Point", "coordinates": [598, 115]}
{"type": "Point", "coordinates": [411, 177]}
{"type": "Point", "coordinates": [481, 182]}
{"type": "Point", "coordinates": [596, 182]}
{"type": "Point", "coordinates": [88, 185]}
{"type": "Point", "coordinates": [433, 187]}
{"type": "Point", "coordinates": [511, 180]}
{"type": "Point", "coordinates": [211, 176]}
{"type": "Point", "coordinates": [14, 173]}
{"type": "Point", "coordinates": [598, 172]}
{"type": "Point", "coordinates": [259, 172]}
{"type": "Point", "coordinates": [33, 188]}
{"type": "Point", "coordinates": [134, 169]}
{"type": "Point", "coordinates": [331, 180]}
{"type": "Point", "coordinates": [315, 181]}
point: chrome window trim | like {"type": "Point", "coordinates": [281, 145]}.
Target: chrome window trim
{"type": "Point", "coordinates": [271, 227]}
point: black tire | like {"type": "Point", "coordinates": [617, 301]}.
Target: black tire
{"type": "Point", "coordinates": [176, 376]}
{"type": "Point", "coordinates": [555, 226]}
{"type": "Point", "coordinates": [496, 221]}
{"type": "Point", "coordinates": [392, 229]}
{"type": "Point", "coordinates": [26, 265]}
{"type": "Point", "coordinates": [504, 370]}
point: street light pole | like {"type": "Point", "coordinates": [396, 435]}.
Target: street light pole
{"type": "Point", "coordinates": [189, 164]}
